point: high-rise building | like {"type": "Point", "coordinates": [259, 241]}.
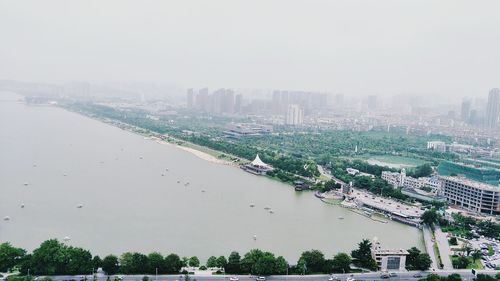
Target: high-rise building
{"type": "Point", "coordinates": [339, 99]}
{"type": "Point", "coordinates": [190, 98]}
{"type": "Point", "coordinates": [492, 108]}
{"type": "Point", "coordinates": [276, 103]}
{"type": "Point", "coordinates": [294, 115]}
{"type": "Point", "coordinates": [465, 111]}
{"type": "Point", "coordinates": [202, 100]}
{"type": "Point", "coordinates": [238, 102]}
{"type": "Point", "coordinates": [372, 102]}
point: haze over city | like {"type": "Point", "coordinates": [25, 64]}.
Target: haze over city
{"type": "Point", "coordinates": [430, 48]}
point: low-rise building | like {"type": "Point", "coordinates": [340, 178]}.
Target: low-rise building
{"type": "Point", "coordinates": [388, 259]}
{"type": "Point", "coordinates": [238, 130]}
{"type": "Point", "coordinates": [473, 196]}
{"type": "Point", "coordinates": [393, 178]}
{"type": "Point", "coordinates": [436, 145]}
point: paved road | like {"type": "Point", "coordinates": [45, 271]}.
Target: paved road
{"type": "Point", "coordinates": [428, 245]}
{"type": "Point", "coordinates": [444, 248]}
{"type": "Point", "coordinates": [401, 276]}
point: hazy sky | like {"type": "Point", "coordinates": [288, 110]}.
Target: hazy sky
{"type": "Point", "coordinates": [351, 47]}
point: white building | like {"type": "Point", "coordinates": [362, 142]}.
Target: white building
{"type": "Point", "coordinates": [393, 178]}
{"type": "Point", "coordinates": [294, 115]}
{"type": "Point", "coordinates": [388, 259]}
{"type": "Point", "coordinates": [418, 183]}
{"type": "Point", "coordinates": [436, 145]}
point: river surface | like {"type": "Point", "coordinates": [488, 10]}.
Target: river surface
{"type": "Point", "coordinates": [127, 205]}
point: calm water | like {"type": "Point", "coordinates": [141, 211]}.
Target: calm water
{"type": "Point", "coordinates": [129, 206]}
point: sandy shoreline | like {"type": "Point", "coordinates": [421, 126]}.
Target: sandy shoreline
{"type": "Point", "coordinates": [200, 154]}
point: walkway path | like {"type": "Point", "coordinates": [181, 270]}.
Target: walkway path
{"type": "Point", "coordinates": [429, 245]}
{"type": "Point", "coordinates": [444, 248]}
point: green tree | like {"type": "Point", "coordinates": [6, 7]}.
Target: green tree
{"type": "Point", "coordinates": [460, 262]}
{"type": "Point", "coordinates": [281, 266]}
{"type": "Point", "coordinates": [222, 262]}
{"type": "Point", "coordinates": [96, 262]}
{"type": "Point", "coordinates": [423, 262]}
{"type": "Point", "coordinates": [412, 258]}
{"type": "Point", "coordinates": [484, 277]}
{"type": "Point", "coordinates": [173, 264]}
{"type": "Point", "coordinates": [156, 262]}
{"type": "Point", "coordinates": [264, 265]}
{"type": "Point", "coordinates": [454, 277]}
{"type": "Point", "coordinates": [134, 263]}
{"type": "Point", "coordinates": [249, 260]}
{"type": "Point", "coordinates": [314, 261]}
{"type": "Point", "coordinates": [212, 262]}
{"type": "Point", "coordinates": [233, 263]}
{"type": "Point", "coordinates": [49, 258]}
{"type": "Point", "coordinates": [10, 256]}
{"type": "Point", "coordinates": [110, 264]}
{"type": "Point", "coordinates": [341, 263]}
{"type": "Point", "coordinates": [363, 255]}
{"type": "Point", "coordinates": [77, 261]}
{"type": "Point", "coordinates": [430, 216]}
{"type": "Point", "coordinates": [467, 248]}
{"type": "Point", "coordinates": [194, 261]}
{"type": "Point", "coordinates": [476, 254]}
{"type": "Point", "coordinates": [453, 241]}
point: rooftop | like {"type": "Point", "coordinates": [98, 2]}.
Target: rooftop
{"type": "Point", "coordinates": [472, 183]}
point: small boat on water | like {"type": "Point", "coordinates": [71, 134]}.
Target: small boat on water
{"type": "Point", "coordinates": [22, 206]}
{"type": "Point", "coordinates": [186, 184]}
{"type": "Point", "coordinates": [340, 217]}
{"type": "Point", "coordinates": [267, 208]}
{"type": "Point", "coordinates": [271, 211]}
{"type": "Point", "coordinates": [203, 190]}
{"type": "Point", "coordinates": [140, 157]}
{"type": "Point", "coordinates": [255, 237]}
{"type": "Point", "coordinates": [166, 169]}
{"type": "Point", "coordinates": [252, 205]}
{"type": "Point", "coordinates": [25, 183]}
{"type": "Point", "coordinates": [162, 175]}
{"type": "Point", "coordinates": [178, 181]}
{"type": "Point", "coordinates": [6, 218]}
{"type": "Point", "coordinates": [79, 206]}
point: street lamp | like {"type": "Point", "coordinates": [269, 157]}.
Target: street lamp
{"type": "Point", "coordinates": [156, 271]}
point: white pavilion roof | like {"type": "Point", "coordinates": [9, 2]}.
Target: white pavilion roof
{"type": "Point", "coordinates": [258, 162]}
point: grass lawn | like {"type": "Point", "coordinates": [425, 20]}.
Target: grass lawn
{"type": "Point", "coordinates": [472, 265]}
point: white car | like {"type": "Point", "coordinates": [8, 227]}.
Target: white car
{"type": "Point", "coordinates": [234, 278]}
{"type": "Point", "coordinates": [350, 279]}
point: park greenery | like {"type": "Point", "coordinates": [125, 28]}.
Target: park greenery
{"type": "Point", "coordinates": [469, 227]}
{"type": "Point", "coordinates": [55, 258]}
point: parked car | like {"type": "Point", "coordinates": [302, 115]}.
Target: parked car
{"type": "Point", "coordinates": [393, 274]}
{"type": "Point", "coordinates": [384, 276]}
{"type": "Point", "coordinates": [417, 275]}
{"type": "Point", "coordinates": [234, 278]}
{"type": "Point", "coordinates": [260, 278]}
{"type": "Point", "coordinates": [333, 278]}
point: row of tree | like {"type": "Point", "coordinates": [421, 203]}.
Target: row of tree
{"type": "Point", "coordinates": [55, 258]}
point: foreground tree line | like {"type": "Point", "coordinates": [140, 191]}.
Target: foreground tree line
{"type": "Point", "coordinates": [55, 258]}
